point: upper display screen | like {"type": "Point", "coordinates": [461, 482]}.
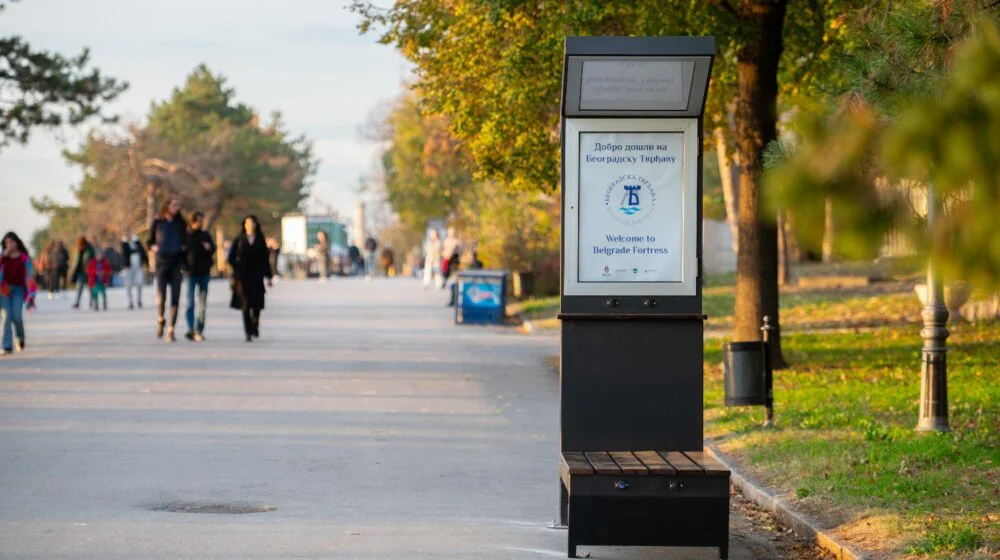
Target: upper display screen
{"type": "Point", "coordinates": [636, 85]}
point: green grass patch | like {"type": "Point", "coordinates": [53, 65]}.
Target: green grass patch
{"type": "Point", "coordinates": [536, 308]}
{"type": "Point", "coordinates": [845, 442]}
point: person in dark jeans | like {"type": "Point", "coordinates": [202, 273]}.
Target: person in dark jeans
{"type": "Point", "coordinates": [250, 267]}
{"type": "Point", "coordinates": [168, 241]}
{"type": "Point", "coordinates": [84, 253]}
{"type": "Point", "coordinates": [200, 252]}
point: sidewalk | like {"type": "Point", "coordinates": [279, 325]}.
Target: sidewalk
{"type": "Point", "coordinates": [363, 422]}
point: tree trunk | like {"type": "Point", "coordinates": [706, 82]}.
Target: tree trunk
{"type": "Point", "coordinates": [729, 171]}
{"type": "Point", "coordinates": [221, 263]}
{"type": "Point", "coordinates": [756, 126]}
{"type": "Point", "coordinates": [784, 262]}
{"type": "Point", "coordinates": [828, 232]}
{"type": "Point", "coordinates": [150, 202]}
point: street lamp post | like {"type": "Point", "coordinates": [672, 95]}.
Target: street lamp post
{"type": "Point", "coordinates": [934, 369]}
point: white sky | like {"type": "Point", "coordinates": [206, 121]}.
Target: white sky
{"type": "Point", "coordinates": [301, 57]}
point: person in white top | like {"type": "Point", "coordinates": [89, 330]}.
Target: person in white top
{"type": "Point", "coordinates": [134, 260]}
{"type": "Point", "coordinates": [432, 260]}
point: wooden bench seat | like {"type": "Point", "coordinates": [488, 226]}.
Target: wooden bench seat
{"type": "Point", "coordinates": [641, 463]}
{"type": "Point", "coordinates": [652, 498]}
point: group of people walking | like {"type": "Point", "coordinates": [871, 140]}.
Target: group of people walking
{"type": "Point", "coordinates": [441, 258]}
{"type": "Point", "coordinates": [180, 246]}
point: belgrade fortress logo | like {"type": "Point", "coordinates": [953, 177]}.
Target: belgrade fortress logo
{"type": "Point", "coordinates": [630, 199]}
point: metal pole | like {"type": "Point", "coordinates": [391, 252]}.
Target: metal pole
{"type": "Point", "coordinates": [768, 374]}
{"type": "Point", "coordinates": [934, 373]}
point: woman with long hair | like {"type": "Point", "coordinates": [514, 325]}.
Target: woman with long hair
{"type": "Point", "coordinates": [16, 291]}
{"type": "Point", "coordinates": [168, 241]}
{"type": "Point", "coordinates": [249, 265]}
{"type": "Point", "coordinates": [84, 254]}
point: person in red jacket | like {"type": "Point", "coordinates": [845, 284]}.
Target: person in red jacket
{"type": "Point", "coordinates": [99, 277]}
{"type": "Point", "coordinates": [17, 291]}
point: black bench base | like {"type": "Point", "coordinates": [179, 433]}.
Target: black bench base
{"type": "Point", "coordinates": [685, 517]}
{"type": "Point", "coordinates": [688, 508]}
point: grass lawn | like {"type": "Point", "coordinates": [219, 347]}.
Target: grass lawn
{"type": "Point", "coordinates": [844, 448]}
{"type": "Point", "coordinates": [880, 304]}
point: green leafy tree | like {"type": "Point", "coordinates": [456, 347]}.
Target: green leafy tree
{"type": "Point", "coordinates": [425, 172]}
{"type": "Point", "coordinates": [221, 158]}
{"type": "Point", "coordinates": [44, 89]}
{"type": "Point", "coordinates": [921, 122]}
{"type": "Point", "coordinates": [201, 146]}
{"type": "Point", "coordinates": [494, 68]}
{"type": "Point", "coordinates": [923, 108]}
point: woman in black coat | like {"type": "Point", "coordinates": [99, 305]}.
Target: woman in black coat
{"type": "Point", "coordinates": [249, 265]}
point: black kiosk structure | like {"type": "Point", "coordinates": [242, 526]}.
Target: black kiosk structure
{"type": "Point", "coordinates": [632, 469]}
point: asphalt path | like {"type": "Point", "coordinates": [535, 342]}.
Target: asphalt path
{"type": "Point", "coordinates": [363, 424]}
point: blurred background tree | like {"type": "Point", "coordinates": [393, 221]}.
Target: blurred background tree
{"type": "Point", "coordinates": [199, 145]}
{"type": "Point", "coordinates": [41, 89]}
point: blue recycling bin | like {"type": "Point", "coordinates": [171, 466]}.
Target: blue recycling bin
{"type": "Point", "coordinates": [482, 297]}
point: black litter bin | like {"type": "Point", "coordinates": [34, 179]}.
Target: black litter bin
{"type": "Point", "coordinates": [745, 368]}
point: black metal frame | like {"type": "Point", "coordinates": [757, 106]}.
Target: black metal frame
{"type": "Point", "coordinates": [631, 376]}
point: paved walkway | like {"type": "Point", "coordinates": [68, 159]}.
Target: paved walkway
{"type": "Point", "coordinates": [369, 424]}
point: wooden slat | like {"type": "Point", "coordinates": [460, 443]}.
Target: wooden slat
{"type": "Point", "coordinates": [683, 465]}
{"type": "Point", "coordinates": [603, 463]}
{"type": "Point", "coordinates": [576, 464]}
{"type": "Point", "coordinates": [655, 463]}
{"type": "Point", "coordinates": [629, 463]}
{"type": "Point", "coordinates": [709, 464]}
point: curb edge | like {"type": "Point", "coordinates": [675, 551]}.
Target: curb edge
{"type": "Point", "coordinates": [801, 524]}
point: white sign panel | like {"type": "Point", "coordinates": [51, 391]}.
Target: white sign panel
{"type": "Point", "coordinates": [635, 85]}
{"type": "Point", "coordinates": [631, 206]}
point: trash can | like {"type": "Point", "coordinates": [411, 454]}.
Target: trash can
{"type": "Point", "coordinates": [482, 297]}
{"type": "Point", "coordinates": [745, 373]}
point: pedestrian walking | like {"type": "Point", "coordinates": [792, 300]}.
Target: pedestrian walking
{"type": "Point", "coordinates": [43, 269]}
{"type": "Point", "coordinates": [432, 260]}
{"type": "Point", "coordinates": [99, 278]}
{"type": "Point", "coordinates": [84, 254]}
{"type": "Point", "coordinates": [62, 267]}
{"type": "Point", "coordinates": [54, 264]}
{"type": "Point", "coordinates": [323, 255]}
{"type": "Point", "coordinates": [354, 259]}
{"type": "Point", "coordinates": [250, 267]}
{"type": "Point", "coordinates": [273, 254]}
{"type": "Point", "coordinates": [167, 241]}
{"type": "Point", "coordinates": [370, 247]}
{"type": "Point", "coordinates": [134, 262]}
{"type": "Point", "coordinates": [17, 291]}
{"type": "Point", "coordinates": [450, 253]}
{"type": "Point", "coordinates": [387, 262]}
{"type": "Point", "coordinates": [200, 250]}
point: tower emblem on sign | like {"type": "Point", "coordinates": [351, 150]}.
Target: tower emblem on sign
{"type": "Point", "coordinates": [630, 199]}
{"type": "Point", "coordinates": [632, 194]}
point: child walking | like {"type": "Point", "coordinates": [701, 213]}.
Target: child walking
{"type": "Point", "coordinates": [99, 276]}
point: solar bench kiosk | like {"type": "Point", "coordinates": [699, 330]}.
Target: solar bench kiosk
{"type": "Point", "coordinates": [632, 471]}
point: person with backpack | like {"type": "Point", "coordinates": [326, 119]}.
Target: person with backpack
{"type": "Point", "coordinates": [200, 252]}
{"type": "Point", "coordinates": [168, 241]}
{"type": "Point", "coordinates": [17, 291]}
{"type": "Point", "coordinates": [99, 278]}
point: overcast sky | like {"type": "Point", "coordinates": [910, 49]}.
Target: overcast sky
{"type": "Point", "coordinates": [301, 57]}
